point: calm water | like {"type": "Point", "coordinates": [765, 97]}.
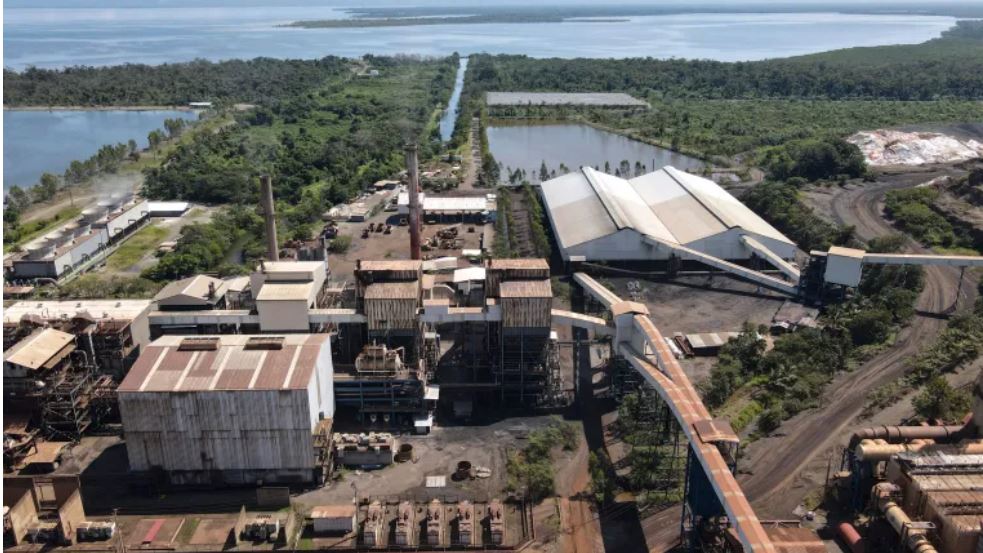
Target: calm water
{"type": "Point", "coordinates": [39, 141]}
{"type": "Point", "coordinates": [47, 37]}
{"type": "Point", "coordinates": [528, 146]}
{"type": "Point", "coordinates": [450, 114]}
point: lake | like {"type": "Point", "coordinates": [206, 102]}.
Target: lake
{"type": "Point", "coordinates": [529, 146]}
{"type": "Point", "coordinates": [39, 141]}
{"type": "Point", "coordinates": [53, 37]}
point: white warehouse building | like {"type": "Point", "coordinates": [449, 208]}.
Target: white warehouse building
{"type": "Point", "coordinates": [232, 409]}
{"type": "Point", "coordinates": [601, 217]}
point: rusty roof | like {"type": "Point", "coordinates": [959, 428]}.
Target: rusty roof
{"type": "Point", "coordinates": [42, 349]}
{"type": "Point", "coordinates": [166, 367]}
{"type": "Point", "coordinates": [346, 510]}
{"type": "Point", "coordinates": [526, 289]}
{"type": "Point", "coordinates": [716, 430]}
{"type": "Point", "coordinates": [390, 265]}
{"type": "Point", "coordinates": [519, 263]}
{"type": "Point", "coordinates": [393, 290]}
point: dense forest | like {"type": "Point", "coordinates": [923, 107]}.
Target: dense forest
{"type": "Point", "coordinates": [947, 67]}
{"type": "Point", "coordinates": [321, 146]}
{"type": "Point", "coordinates": [251, 81]}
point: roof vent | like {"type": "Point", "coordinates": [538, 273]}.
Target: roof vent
{"type": "Point", "coordinates": [199, 344]}
{"type": "Point", "coordinates": [264, 342]}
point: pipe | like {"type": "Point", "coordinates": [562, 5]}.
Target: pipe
{"type": "Point", "coordinates": [266, 198]}
{"type": "Point", "coordinates": [874, 451]}
{"type": "Point", "coordinates": [914, 538]}
{"type": "Point", "coordinates": [898, 434]}
{"type": "Point", "coordinates": [414, 200]}
{"type": "Point", "coordinates": [850, 537]}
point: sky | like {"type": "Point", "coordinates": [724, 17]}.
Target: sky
{"type": "Point", "coordinates": [379, 3]}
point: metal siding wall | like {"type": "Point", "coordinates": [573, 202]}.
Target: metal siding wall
{"type": "Point", "coordinates": [89, 247]}
{"type": "Point", "coordinates": [625, 245]}
{"type": "Point", "coordinates": [249, 429]}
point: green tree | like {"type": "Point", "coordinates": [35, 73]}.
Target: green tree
{"type": "Point", "coordinates": [941, 401]}
{"type": "Point", "coordinates": [155, 137]}
{"type": "Point", "coordinates": [46, 187]}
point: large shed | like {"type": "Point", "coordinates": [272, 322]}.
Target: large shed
{"type": "Point", "coordinates": [228, 409]}
{"type": "Point", "coordinates": [601, 217]}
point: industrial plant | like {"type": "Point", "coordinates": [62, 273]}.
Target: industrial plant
{"type": "Point", "coordinates": [79, 243]}
{"type": "Point", "coordinates": [283, 381]}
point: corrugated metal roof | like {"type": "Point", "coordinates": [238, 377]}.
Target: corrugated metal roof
{"type": "Point", "coordinates": [346, 510]}
{"type": "Point", "coordinates": [291, 291]}
{"type": "Point", "coordinates": [193, 288]}
{"type": "Point", "coordinates": [163, 367]}
{"type": "Point", "coordinates": [431, 204]}
{"type": "Point", "coordinates": [563, 98]}
{"type": "Point", "coordinates": [470, 273]}
{"type": "Point", "coordinates": [40, 349]}
{"type": "Point", "coordinates": [667, 204]}
{"type": "Point", "coordinates": [393, 290]}
{"type": "Point", "coordinates": [519, 263]}
{"type": "Point", "coordinates": [526, 289]}
{"type": "Point", "coordinates": [101, 309]}
{"type": "Point", "coordinates": [390, 265]}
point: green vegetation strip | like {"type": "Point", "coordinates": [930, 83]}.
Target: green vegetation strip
{"type": "Point", "coordinates": [29, 231]}
{"type": "Point", "coordinates": [136, 247]}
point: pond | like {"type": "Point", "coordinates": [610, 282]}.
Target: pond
{"type": "Point", "coordinates": [48, 141]}
{"type": "Point", "coordinates": [574, 145]}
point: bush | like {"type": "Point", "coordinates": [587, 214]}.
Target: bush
{"type": "Point", "coordinates": [941, 401]}
{"type": "Point", "coordinates": [340, 244]}
{"type": "Point", "coordinates": [771, 419]}
{"type": "Point", "coordinates": [870, 327]}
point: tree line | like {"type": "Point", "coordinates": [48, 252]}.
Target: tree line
{"type": "Point", "coordinates": [947, 67]}
{"type": "Point", "coordinates": [252, 81]}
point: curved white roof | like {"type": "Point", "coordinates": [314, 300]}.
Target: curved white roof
{"type": "Point", "coordinates": [667, 204]}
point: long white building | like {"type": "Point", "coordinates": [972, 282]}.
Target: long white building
{"type": "Point", "coordinates": [600, 217]}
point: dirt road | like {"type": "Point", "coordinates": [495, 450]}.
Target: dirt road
{"type": "Point", "coordinates": [788, 465]}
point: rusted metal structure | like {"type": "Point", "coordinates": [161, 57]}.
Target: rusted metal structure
{"type": "Point", "coordinates": [406, 524]}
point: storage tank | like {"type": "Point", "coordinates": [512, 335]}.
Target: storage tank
{"type": "Point", "coordinates": [36, 249]}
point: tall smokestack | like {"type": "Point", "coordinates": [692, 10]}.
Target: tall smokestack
{"type": "Point", "coordinates": [266, 198]}
{"type": "Point", "coordinates": [414, 207]}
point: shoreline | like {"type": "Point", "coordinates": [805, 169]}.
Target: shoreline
{"type": "Point", "coordinates": [101, 108]}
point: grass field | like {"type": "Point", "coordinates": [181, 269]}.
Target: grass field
{"type": "Point", "coordinates": [133, 250]}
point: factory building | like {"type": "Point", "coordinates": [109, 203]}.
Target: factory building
{"type": "Point", "coordinates": [600, 217]}
{"type": "Point", "coordinates": [62, 362]}
{"type": "Point", "coordinates": [73, 246]}
{"type": "Point", "coordinates": [450, 209]}
{"type": "Point", "coordinates": [111, 332]}
{"type": "Point", "coordinates": [234, 409]}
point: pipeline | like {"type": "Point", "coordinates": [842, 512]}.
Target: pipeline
{"type": "Point", "coordinates": [914, 538]}
{"type": "Point", "coordinates": [880, 450]}
{"type": "Point", "coordinates": [851, 537]}
{"type": "Point", "coordinates": [899, 434]}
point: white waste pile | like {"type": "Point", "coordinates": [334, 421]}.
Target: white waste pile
{"type": "Point", "coordinates": [884, 147]}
